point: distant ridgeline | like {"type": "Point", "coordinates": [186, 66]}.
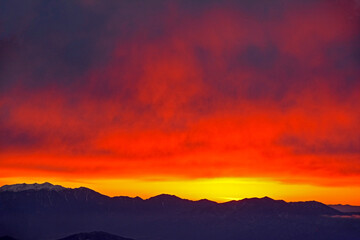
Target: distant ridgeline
{"type": "Point", "coordinates": [46, 211]}
{"type": "Point", "coordinates": [84, 236]}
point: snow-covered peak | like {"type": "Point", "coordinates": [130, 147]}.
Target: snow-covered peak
{"type": "Point", "coordinates": [35, 186]}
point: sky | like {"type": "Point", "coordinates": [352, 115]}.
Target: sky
{"type": "Point", "coordinates": [202, 99]}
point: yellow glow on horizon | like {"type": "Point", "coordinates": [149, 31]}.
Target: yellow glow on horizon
{"type": "Point", "coordinates": [216, 189]}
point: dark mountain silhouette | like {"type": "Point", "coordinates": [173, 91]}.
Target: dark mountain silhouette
{"type": "Point", "coordinates": [94, 236]}
{"type": "Point", "coordinates": [346, 208]}
{"type": "Point", "coordinates": [7, 238]}
{"type": "Point", "coordinates": [45, 211]}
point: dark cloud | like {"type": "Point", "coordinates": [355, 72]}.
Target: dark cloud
{"type": "Point", "coordinates": [302, 146]}
{"type": "Point", "coordinates": [57, 43]}
{"type": "Point", "coordinates": [19, 139]}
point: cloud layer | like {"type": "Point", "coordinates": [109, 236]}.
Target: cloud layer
{"type": "Point", "coordinates": [181, 89]}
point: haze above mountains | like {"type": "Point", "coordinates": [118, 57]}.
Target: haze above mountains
{"type": "Point", "coordinates": [46, 211]}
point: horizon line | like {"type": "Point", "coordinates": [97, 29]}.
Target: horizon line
{"type": "Point", "coordinates": [173, 195]}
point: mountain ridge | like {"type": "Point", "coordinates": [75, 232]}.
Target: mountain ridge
{"type": "Point", "coordinates": [51, 196]}
{"type": "Point", "coordinates": [160, 197]}
{"type": "Point", "coordinates": [45, 213]}
{"type": "Point", "coordinates": [346, 208]}
{"type": "Point", "coordinates": [95, 235]}
{"type": "Point", "coordinates": [19, 187]}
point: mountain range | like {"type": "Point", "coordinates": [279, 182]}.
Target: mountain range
{"type": "Point", "coordinates": [346, 208]}
{"type": "Point", "coordinates": [46, 211]}
{"type": "Point", "coordinates": [97, 235]}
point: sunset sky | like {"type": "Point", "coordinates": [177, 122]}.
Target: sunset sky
{"type": "Point", "coordinates": [201, 99]}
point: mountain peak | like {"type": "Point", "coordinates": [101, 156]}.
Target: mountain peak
{"type": "Point", "coordinates": [94, 236]}
{"type": "Point", "coordinates": [35, 186]}
{"type": "Point", "coordinates": [266, 198]}
{"type": "Point", "coordinates": [165, 197]}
